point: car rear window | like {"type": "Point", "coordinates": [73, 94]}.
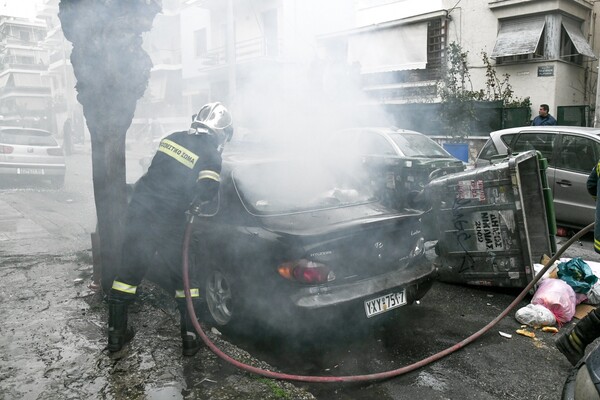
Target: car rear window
{"type": "Point", "coordinates": [27, 137]}
{"type": "Point", "coordinates": [488, 151]}
{"type": "Point", "coordinates": [289, 187]}
{"type": "Point", "coordinates": [416, 145]}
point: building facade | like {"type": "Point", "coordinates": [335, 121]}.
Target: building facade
{"type": "Point", "coordinates": [547, 48]}
{"type": "Point", "coordinates": [24, 90]}
{"type": "Point", "coordinates": [256, 56]}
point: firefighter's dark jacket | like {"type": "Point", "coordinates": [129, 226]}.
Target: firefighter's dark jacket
{"type": "Point", "coordinates": [184, 169]}
{"type": "Point", "coordinates": [594, 189]}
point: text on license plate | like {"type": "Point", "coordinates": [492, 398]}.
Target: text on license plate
{"type": "Point", "coordinates": [385, 303]}
{"type": "Point", "coordinates": [30, 171]}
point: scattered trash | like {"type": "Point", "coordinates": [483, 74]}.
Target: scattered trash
{"type": "Point", "coordinates": [78, 281]}
{"type": "Point", "coordinates": [578, 274]}
{"type": "Point", "coordinates": [525, 333]}
{"type": "Point", "coordinates": [506, 335]}
{"type": "Point", "coordinates": [215, 331]}
{"type": "Point", "coordinates": [535, 315]}
{"type": "Point", "coordinates": [558, 297]}
{"type": "Point", "coordinates": [550, 329]}
{"type": "Point", "coordinates": [560, 231]}
{"type": "Point", "coordinates": [593, 296]}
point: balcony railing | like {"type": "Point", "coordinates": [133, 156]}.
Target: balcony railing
{"type": "Point", "coordinates": [245, 50]}
{"type": "Point", "coordinates": [6, 64]}
{"type": "Point", "coordinates": [25, 90]}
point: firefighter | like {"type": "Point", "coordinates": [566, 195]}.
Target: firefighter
{"type": "Point", "coordinates": [573, 343]}
{"type": "Point", "coordinates": [183, 176]}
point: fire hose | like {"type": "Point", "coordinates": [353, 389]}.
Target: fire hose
{"type": "Point", "coordinates": [356, 378]}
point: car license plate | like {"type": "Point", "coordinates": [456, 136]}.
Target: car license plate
{"type": "Point", "coordinates": [30, 171]}
{"type": "Point", "coordinates": [385, 303]}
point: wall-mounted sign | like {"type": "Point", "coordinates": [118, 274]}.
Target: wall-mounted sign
{"type": "Point", "coordinates": [546, 70]}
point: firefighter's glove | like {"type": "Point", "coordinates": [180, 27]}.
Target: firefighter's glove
{"type": "Point", "coordinates": [203, 208]}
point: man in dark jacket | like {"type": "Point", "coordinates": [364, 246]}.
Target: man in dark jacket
{"type": "Point", "coordinates": [573, 343]}
{"type": "Point", "coordinates": [183, 175]}
{"type": "Point", "coordinates": [544, 118]}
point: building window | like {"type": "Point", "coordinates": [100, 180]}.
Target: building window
{"type": "Point", "coordinates": [546, 37]}
{"type": "Point", "coordinates": [573, 44]}
{"type": "Point", "coordinates": [200, 42]}
{"type": "Point", "coordinates": [24, 36]}
{"type": "Point", "coordinates": [520, 39]}
{"type": "Point", "coordinates": [568, 52]}
{"type": "Point", "coordinates": [436, 43]}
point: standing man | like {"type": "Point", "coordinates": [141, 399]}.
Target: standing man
{"type": "Point", "coordinates": [183, 175]}
{"type": "Point", "coordinates": [544, 118]}
{"type": "Point", "coordinates": [573, 343]}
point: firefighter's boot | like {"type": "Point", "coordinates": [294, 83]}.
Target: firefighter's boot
{"type": "Point", "coordinates": [118, 332]}
{"type": "Point", "coordinates": [573, 343]}
{"type": "Point", "coordinates": [190, 342]}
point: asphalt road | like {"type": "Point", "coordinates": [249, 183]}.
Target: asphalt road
{"type": "Point", "coordinates": [43, 228]}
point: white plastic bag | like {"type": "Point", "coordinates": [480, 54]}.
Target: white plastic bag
{"type": "Point", "coordinates": [535, 315]}
{"type": "Point", "coordinates": [593, 296]}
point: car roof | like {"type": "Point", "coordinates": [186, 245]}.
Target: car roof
{"type": "Point", "coordinates": [555, 128]}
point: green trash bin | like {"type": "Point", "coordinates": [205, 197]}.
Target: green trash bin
{"type": "Point", "coordinates": [490, 223]}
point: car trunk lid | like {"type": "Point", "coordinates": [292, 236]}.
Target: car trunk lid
{"type": "Point", "coordinates": [356, 248]}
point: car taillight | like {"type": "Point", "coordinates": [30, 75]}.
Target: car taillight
{"type": "Point", "coordinates": [57, 151]}
{"type": "Point", "coordinates": [305, 271]}
{"type": "Point", "coordinates": [6, 149]}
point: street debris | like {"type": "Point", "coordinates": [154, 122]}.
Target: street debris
{"type": "Point", "coordinates": [506, 335]}
{"type": "Point", "coordinates": [551, 329]}
{"type": "Point", "coordinates": [525, 332]}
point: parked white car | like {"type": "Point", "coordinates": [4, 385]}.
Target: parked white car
{"type": "Point", "coordinates": [31, 153]}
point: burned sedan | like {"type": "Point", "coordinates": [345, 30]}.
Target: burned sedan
{"type": "Point", "coordinates": [305, 241]}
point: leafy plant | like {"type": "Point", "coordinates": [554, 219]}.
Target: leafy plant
{"type": "Point", "coordinates": [458, 96]}
{"type": "Point", "coordinates": [456, 92]}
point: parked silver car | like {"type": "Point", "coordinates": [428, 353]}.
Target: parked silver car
{"type": "Point", "coordinates": [571, 151]}
{"type": "Point", "coordinates": [27, 152]}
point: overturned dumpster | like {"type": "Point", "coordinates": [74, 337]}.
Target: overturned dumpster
{"type": "Point", "coordinates": [492, 223]}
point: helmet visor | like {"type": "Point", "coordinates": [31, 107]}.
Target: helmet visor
{"type": "Point", "coordinates": [215, 116]}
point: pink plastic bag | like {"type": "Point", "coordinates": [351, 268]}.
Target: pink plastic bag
{"type": "Point", "coordinates": [558, 297]}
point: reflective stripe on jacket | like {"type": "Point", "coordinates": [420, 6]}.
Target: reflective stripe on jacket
{"type": "Point", "coordinates": [594, 189]}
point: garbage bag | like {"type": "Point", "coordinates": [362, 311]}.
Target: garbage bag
{"type": "Point", "coordinates": [558, 297]}
{"type": "Point", "coordinates": [593, 296]}
{"type": "Point", "coordinates": [535, 315]}
{"type": "Point", "coordinates": [577, 274]}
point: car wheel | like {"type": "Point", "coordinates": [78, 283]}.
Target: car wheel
{"type": "Point", "coordinates": [219, 297]}
{"type": "Point", "coordinates": [57, 182]}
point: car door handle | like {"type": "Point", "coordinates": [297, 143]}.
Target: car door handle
{"type": "Point", "coordinates": [564, 183]}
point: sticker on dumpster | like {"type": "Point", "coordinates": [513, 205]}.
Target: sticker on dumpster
{"type": "Point", "coordinates": [487, 231]}
{"type": "Point", "coordinates": [471, 190]}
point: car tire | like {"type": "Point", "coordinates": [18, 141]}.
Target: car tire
{"type": "Point", "coordinates": [220, 297]}
{"type": "Point", "coordinates": [57, 182]}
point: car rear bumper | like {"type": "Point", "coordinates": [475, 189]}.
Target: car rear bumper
{"type": "Point", "coordinates": [25, 169]}
{"type": "Point", "coordinates": [409, 278]}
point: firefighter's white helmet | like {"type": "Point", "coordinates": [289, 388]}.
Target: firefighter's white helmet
{"type": "Point", "coordinates": [213, 118]}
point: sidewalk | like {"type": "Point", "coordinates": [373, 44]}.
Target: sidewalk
{"type": "Point", "coordinates": [53, 333]}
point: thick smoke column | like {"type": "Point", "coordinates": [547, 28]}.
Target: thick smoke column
{"type": "Point", "coordinates": [112, 72]}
